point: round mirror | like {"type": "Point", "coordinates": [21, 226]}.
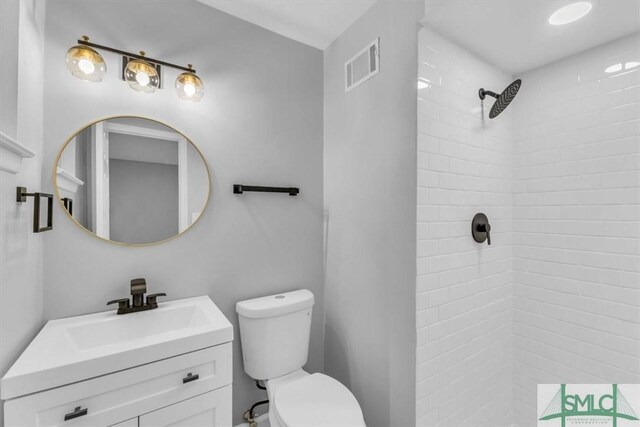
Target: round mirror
{"type": "Point", "coordinates": [132, 180]}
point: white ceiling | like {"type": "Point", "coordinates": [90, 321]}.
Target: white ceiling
{"type": "Point", "coordinates": [515, 34]}
{"type": "Point", "coordinates": [313, 22]}
{"type": "Point", "coordinates": [512, 34]}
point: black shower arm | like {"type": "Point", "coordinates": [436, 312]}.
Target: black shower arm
{"type": "Point", "coordinates": [483, 93]}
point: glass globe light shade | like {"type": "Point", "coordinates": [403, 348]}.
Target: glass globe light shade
{"type": "Point", "coordinates": [141, 75]}
{"type": "Point", "coordinates": [189, 86]}
{"type": "Point", "coordinates": [86, 64]}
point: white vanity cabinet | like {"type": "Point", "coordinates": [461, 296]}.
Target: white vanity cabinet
{"type": "Point", "coordinates": [209, 409]}
{"type": "Point", "coordinates": [181, 375]}
{"type": "Point", "coordinates": [160, 393]}
{"type": "Point", "coordinates": [133, 422]}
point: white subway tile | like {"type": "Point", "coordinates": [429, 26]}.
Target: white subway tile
{"type": "Point", "coordinates": [556, 297]}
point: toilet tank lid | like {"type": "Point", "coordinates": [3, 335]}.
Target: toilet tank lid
{"type": "Point", "coordinates": [275, 305]}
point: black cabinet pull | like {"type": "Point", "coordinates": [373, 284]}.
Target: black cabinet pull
{"type": "Point", "coordinates": [190, 377]}
{"type": "Point", "coordinates": [76, 413]}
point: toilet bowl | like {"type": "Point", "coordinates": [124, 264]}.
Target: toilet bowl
{"type": "Point", "coordinates": [312, 400]}
{"type": "Point", "coordinates": [274, 333]}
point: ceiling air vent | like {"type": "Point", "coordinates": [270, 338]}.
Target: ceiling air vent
{"type": "Point", "coordinates": [363, 66]}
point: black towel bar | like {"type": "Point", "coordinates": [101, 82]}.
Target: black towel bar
{"type": "Point", "coordinates": [240, 189]}
{"type": "Point", "coordinates": [21, 197]}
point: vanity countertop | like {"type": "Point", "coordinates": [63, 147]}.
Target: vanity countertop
{"type": "Point", "coordinates": [77, 348]}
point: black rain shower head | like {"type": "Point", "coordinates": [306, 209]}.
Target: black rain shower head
{"type": "Point", "coordinates": [503, 100]}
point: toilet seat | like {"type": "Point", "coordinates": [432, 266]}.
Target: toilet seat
{"type": "Point", "coordinates": [316, 400]}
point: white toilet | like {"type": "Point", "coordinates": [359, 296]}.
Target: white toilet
{"type": "Point", "coordinates": [274, 332]}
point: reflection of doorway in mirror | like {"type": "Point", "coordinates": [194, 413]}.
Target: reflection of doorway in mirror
{"type": "Point", "coordinates": [148, 183]}
{"type": "Point", "coordinates": [99, 161]}
{"type": "Point", "coordinates": [132, 180]}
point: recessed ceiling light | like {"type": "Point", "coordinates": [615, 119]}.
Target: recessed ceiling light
{"type": "Point", "coordinates": [570, 13]}
{"type": "Point", "coordinates": [613, 68]}
{"type": "Point", "coordinates": [618, 67]}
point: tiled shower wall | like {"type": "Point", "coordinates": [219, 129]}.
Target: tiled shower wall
{"type": "Point", "coordinates": [577, 223]}
{"type": "Point", "coordinates": [556, 298]}
{"type": "Point", "coordinates": [464, 300]}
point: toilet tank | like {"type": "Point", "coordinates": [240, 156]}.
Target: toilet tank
{"type": "Point", "coordinates": [274, 332]}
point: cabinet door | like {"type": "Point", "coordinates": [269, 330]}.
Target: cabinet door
{"type": "Point", "coordinates": [208, 409]}
{"type": "Point", "coordinates": [125, 394]}
{"type": "Point", "coordinates": [133, 422]}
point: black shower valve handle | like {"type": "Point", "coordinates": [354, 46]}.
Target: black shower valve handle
{"type": "Point", "coordinates": [480, 228]}
{"type": "Point", "coordinates": [486, 228]}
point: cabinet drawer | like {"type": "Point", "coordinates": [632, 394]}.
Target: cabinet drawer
{"type": "Point", "coordinates": [211, 409]}
{"type": "Point", "coordinates": [133, 422]}
{"type": "Point", "coordinates": [126, 394]}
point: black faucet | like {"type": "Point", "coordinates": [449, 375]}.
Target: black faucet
{"type": "Point", "coordinates": [138, 289]}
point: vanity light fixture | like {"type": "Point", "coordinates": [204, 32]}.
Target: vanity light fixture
{"type": "Point", "coordinates": [189, 86]}
{"type": "Point", "coordinates": [85, 63]}
{"type": "Point", "coordinates": [141, 75]}
{"type": "Point", "coordinates": [139, 71]}
{"type": "Point", "coordinates": [570, 13]}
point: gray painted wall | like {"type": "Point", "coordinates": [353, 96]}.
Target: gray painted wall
{"type": "Point", "coordinates": [9, 34]}
{"type": "Point", "coordinates": [143, 201]}
{"type": "Point", "coordinates": [370, 200]}
{"type": "Point", "coordinates": [21, 283]}
{"type": "Point", "coordinates": [260, 122]}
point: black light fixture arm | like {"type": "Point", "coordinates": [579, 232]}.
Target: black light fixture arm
{"type": "Point", "coordinates": [134, 55]}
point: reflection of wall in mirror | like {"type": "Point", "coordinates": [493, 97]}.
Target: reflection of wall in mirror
{"type": "Point", "coordinates": [143, 192]}
{"type": "Point", "coordinates": [143, 201]}
{"type": "Point", "coordinates": [72, 162]}
{"type": "Point", "coordinates": [197, 183]}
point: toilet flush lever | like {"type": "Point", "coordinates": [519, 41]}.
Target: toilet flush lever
{"type": "Point", "coordinates": [481, 229]}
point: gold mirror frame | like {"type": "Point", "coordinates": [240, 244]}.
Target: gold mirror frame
{"type": "Point", "coordinates": [82, 227]}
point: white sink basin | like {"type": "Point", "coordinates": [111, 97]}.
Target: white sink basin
{"type": "Point", "coordinates": [118, 329]}
{"type": "Point", "coordinates": [78, 348]}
